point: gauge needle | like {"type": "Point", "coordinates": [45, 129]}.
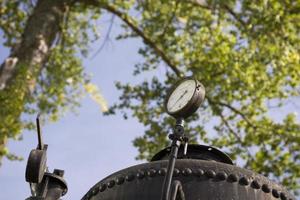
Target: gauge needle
{"type": "Point", "coordinates": [179, 98]}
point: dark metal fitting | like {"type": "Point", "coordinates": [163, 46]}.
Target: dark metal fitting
{"type": "Point", "coordinates": [185, 138]}
{"type": "Point", "coordinates": [36, 165]}
{"type": "Point", "coordinates": [180, 122]}
{"type": "Point", "coordinates": [59, 172]}
{"type": "Point", "coordinates": [56, 182]}
{"type": "Point", "coordinates": [179, 129]}
{"type": "Point", "coordinates": [176, 137]}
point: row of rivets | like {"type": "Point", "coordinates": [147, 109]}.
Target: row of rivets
{"type": "Point", "coordinates": [151, 172]}
{"type": "Point", "coordinates": [140, 175]}
{"type": "Point", "coordinates": [221, 176]}
{"type": "Point", "coordinates": [162, 171]}
{"type": "Point", "coordinates": [187, 172]}
{"type": "Point", "coordinates": [211, 174]}
{"type": "Point", "coordinates": [120, 180]}
{"type": "Point", "coordinates": [129, 177]}
{"type": "Point", "coordinates": [244, 181]}
{"type": "Point", "coordinates": [111, 184]}
{"type": "Point", "coordinates": [233, 178]}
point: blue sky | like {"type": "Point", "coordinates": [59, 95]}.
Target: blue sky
{"type": "Point", "coordinates": [88, 146]}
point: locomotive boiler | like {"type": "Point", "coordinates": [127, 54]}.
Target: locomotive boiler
{"type": "Point", "coordinates": [178, 172]}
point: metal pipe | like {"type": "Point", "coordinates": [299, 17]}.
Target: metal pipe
{"type": "Point", "coordinates": [40, 139]}
{"type": "Point", "coordinates": [176, 141]}
{"type": "Point", "coordinates": [170, 170]}
{"type": "Point", "coordinates": [177, 191]}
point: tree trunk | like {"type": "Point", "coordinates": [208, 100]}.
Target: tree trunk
{"type": "Point", "coordinates": [19, 71]}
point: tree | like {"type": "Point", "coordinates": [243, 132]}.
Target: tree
{"type": "Point", "coordinates": [245, 53]}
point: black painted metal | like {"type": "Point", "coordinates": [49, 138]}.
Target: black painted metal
{"type": "Point", "coordinates": [177, 137]}
{"type": "Point", "coordinates": [52, 187]}
{"type": "Point", "coordinates": [200, 179]}
{"type": "Point", "coordinates": [201, 173]}
{"type": "Point", "coordinates": [43, 185]}
{"type": "Point", "coordinates": [177, 192]}
{"type": "Point", "coordinates": [40, 139]}
{"type": "Point", "coordinates": [194, 102]}
{"type": "Point", "coordinates": [195, 151]}
{"type": "Point", "coordinates": [36, 165]}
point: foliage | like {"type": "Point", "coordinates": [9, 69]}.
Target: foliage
{"type": "Point", "coordinates": [247, 56]}
{"type": "Point", "coordinates": [245, 53]}
{"type": "Point", "coordinates": [59, 84]}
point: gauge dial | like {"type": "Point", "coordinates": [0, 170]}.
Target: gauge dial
{"type": "Point", "coordinates": [181, 96]}
{"type": "Point", "coordinates": [184, 98]}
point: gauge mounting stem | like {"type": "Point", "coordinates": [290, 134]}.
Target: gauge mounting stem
{"type": "Point", "coordinates": [177, 138]}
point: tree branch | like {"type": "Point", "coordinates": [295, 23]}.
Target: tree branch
{"type": "Point", "coordinates": [20, 70]}
{"type": "Point", "coordinates": [203, 5]}
{"type": "Point", "coordinates": [106, 38]}
{"type": "Point", "coordinates": [235, 110]}
{"type": "Point", "coordinates": [234, 15]}
{"type": "Point", "coordinates": [40, 32]}
{"type": "Point", "coordinates": [142, 34]}
{"type": "Point", "coordinates": [236, 135]}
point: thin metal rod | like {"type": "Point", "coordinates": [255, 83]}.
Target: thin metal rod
{"type": "Point", "coordinates": [170, 170]}
{"type": "Point", "coordinates": [40, 139]}
{"type": "Point", "coordinates": [177, 191]}
{"type": "Point", "coordinates": [176, 141]}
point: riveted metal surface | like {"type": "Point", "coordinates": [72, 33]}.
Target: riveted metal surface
{"type": "Point", "coordinates": [200, 179]}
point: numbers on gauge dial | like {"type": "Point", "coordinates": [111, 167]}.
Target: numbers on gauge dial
{"type": "Point", "coordinates": [181, 96]}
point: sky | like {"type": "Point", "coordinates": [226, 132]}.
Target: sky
{"type": "Point", "coordinates": [87, 145]}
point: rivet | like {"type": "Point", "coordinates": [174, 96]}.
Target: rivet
{"type": "Point", "coordinates": [221, 176]}
{"type": "Point", "coordinates": [210, 173]}
{"type": "Point", "coordinates": [120, 180]}
{"type": "Point", "coordinates": [282, 196]}
{"type": "Point", "coordinates": [244, 181]}
{"type": "Point", "coordinates": [95, 191]}
{"type": "Point", "coordinates": [232, 178]}
{"type": "Point", "coordinates": [255, 184]}
{"type": "Point", "coordinates": [275, 193]}
{"type": "Point", "coordinates": [140, 174]}
{"type": "Point", "coordinates": [187, 172]}
{"type": "Point", "coordinates": [162, 171]}
{"type": "Point", "coordinates": [102, 187]}
{"type": "Point", "coordinates": [199, 172]}
{"type": "Point", "coordinates": [129, 177]}
{"type": "Point", "coordinates": [151, 172]}
{"type": "Point", "coordinates": [176, 172]}
{"type": "Point", "coordinates": [111, 183]}
{"type": "Point", "coordinates": [265, 188]}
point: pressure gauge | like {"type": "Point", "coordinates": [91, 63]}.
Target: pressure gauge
{"type": "Point", "coordinates": [184, 98]}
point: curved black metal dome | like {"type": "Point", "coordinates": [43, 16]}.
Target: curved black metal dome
{"type": "Point", "coordinates": [195, 151]}
{"type": "Point", "coordinates": [205, 179]}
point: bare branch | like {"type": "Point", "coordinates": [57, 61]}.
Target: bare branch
{"type": "Point", "coordinates": [125, 18]}
{"type": "Point", "coordinates": [106, 38]}
{"type": "Point", "coordinates": [234, 15]}
{"type": "Point", "coordinates": [236, 135]}
{"type": "Point", "coordinates": [203, 5]}
{"type": "Point", "coordinates": [235, 110]}
{"type": "Point", "coordinates": [225, 122]}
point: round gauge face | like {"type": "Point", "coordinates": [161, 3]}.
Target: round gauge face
{"type": "Point", "coordinates": [181, 96]}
